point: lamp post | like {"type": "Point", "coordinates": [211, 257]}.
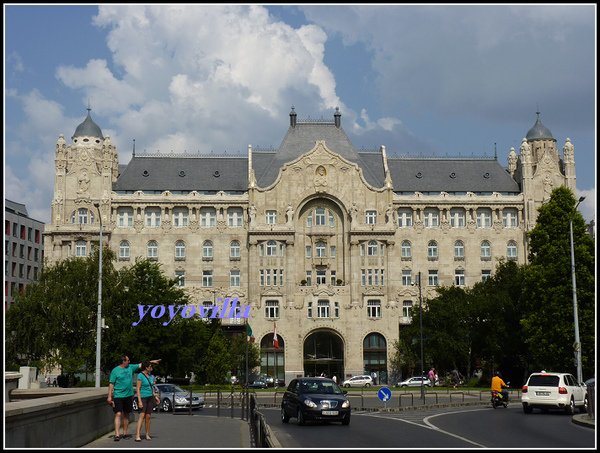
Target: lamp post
{"type": "Point", "coordinates": [421, 330]}
{"type": "Point", "coordinates": [577, 344]}
{"type": "Point", "coordinates": [99, 318]}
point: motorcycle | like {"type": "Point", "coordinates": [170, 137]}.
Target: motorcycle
{"type": "Point", "coordinates": [498, 399]}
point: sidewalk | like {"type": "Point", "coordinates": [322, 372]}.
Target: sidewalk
{"type": "Point", "coordinates": [201, 430]}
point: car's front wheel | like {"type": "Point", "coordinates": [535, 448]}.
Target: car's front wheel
{"type": "Point", "coordinates": [166, 405]}
{"type": "Point", "coordinates": [284, 416]}
{"type": "Point", "coordinates": [367, 385]}
{"type": "Point", "coordinates": [347, 386]}
{"type": "Point", "coordinates": [346, 420]}
{"type": "Point", "coordinates": [404, 385]}
{"type": "Point", "coordinates": [301, 420]}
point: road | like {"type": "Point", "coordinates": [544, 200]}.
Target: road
{"type": "Point", "coordinates": [451, 427]}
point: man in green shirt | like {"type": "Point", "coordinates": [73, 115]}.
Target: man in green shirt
{"type": "Point", "coordinates": [120, 393]}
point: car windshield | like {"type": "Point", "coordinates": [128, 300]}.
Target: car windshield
{"type": "Point", "coordinates": [171, 389]}
{"type": "Point", "coordinates": [547, 380]}
{"type": "Point", "coordinates": [321, 387]}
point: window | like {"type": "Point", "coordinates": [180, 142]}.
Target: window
{"type": "Point", "coordinates": [321, 278]}
{"type": "Point", "coordinates": [320, 216]}
{"type": "Point", "coordinates": [431, 217]}
{"type": "Point", "coordinates": [405, 217]}
{"type": "Point", "coordinates": [433, 278]}
{"type": "Point", "coordinates": [511, 250]}
{"type": "Point", "coordinates": [459, 277]}
{"type": "Point", "coordinates": [486, 275]}
{"type": "Point", "coordinates": [152, 217]}
{"type": "Point", "coordinates": [234, 249]}
{"type": "Point", "coordinates": [308, 252]}
{"type": "Point", "coordinates": [372, 248]}
{"type": "Point", "coordinates": [484, 218]}
{"type": "Point", "coordinates": [272, 309]}
{"type": "Point", "coordinates": [406, 277]}
{"type": "Point", "coordinates": [321, 249]}
{"type": "Point", "coordinates": [234, 278]}
{"type": "Point", "coordinates": [332, 251]}
{"type": "Point", "coordinates": [486, 250]}
{"type": "Point", "coordinates": [124, 217]}
{"type": "Point", "coordinates": [432, 250]}
{"type": "Point", "coordinates": [309, 219]}
{"type": "Point", "coordinates": [180, 217]}
{"type": "Point", "coordinates": [208, 217]}
{"type": "Point", "coordinates": [207, 279]}
{"type": "Point", "coordinates": [271, 217]}
{"type": "Point", "coordinates": [179, 250]}
{"type": "Point", "coordinates": [336, 309]}
{"type": "Point", "coordinates": [309, 313]}
{"type": "Point", "coordinates": [152, 249]}
{"type": "Point", "coordinates": [509, 218]}
{"type": "Point", "coordinates": [331, 219]}
{"type": "Point", "coordinates": [207, 249]}
{"type": "Point", "coordinates": [16, 226]}
{"type": "Point", "coordinates": [180, 278]}
{"type": "Point", "coordinates": [332, 275]}
{"type": "Point", "coordinates": [124, 250]}
{"type": "Point", "coordinates": [459, 249]}
{"type": "Point", "coordinates": [457, 217]}
{"type": "Point", "coordinates": [406, 250]}
{"type": "Point", "coordinates": [308, 278]}
{"type": "Point", "coordinates": [235, 217]}
{"type": "Point", "coordinates": [371, 217]}
{"type": "Point", "coordinates": [30, 234]}
{"type": "Point", "coordinates": [406, 308]}
{"type": "Point", "coordinates": [80, 248]}
{"type": "Point", "coordinates": [374, 308]}
{"type": "Point", "coordinates": [271, 248]}
{"type": "Point", "coordinates": [323, 309]}
{"type": "Point", "coordinates": [83, 217]}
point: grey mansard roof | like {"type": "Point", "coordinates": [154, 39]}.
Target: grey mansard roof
{"type": "Point", "coordinates": [450, 175]}
{"type": "Point", "coordinates": [184, 173]}
{"type": "Point", "coordinates": [230, 173]}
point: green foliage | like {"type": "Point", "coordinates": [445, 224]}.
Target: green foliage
{"type": "Point", "coordinates": [217, 359]}
{"type": "Point", "coordinates": [547, 287]}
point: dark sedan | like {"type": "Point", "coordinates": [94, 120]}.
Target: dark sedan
{"type": "Point", "coordinates": [315, 399]}
{"type": "Point", "coordinates": [259, 384]}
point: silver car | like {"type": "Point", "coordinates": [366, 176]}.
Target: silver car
{"type": "Point", "coordinates": [363, 380]}
{"type": "Point", "coordinates": [172, 395]}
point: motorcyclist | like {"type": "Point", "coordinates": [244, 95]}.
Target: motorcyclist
{"type": "Point", "coordinates": [498, 385]}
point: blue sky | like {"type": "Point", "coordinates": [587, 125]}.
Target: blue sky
{"type": "Point", "coordinates": [422, 80]}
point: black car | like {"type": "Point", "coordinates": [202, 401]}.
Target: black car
{"type": "Point", "coordinates": [258, 384]}
{"type": "Point", "coordinates": [315, 398]}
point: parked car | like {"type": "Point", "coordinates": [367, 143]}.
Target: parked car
{"type": "Point", "coordinates": [415, 381]}
{"type": "Point", "coordinates": [269, 380]}
{"type": "Point", "coordinates": [549, 390]}
{"type": "Point", "coordinates": [315, 398]}
{"type": "Point", "coordinates": [181, 398]}
{"type": "Point", "coordinates": [363, 380]}
{"type": "Point", "coordinates": [258, 384]}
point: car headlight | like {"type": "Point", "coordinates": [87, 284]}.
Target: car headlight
{"type": "Point", "coordinates": [179, 399]}
{"type": "Point", "coordinates": [310, 403]}
{"type": "Point", "coordinates": [346, 404]}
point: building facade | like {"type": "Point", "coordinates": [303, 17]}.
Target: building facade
{"type": "Point", "coordinates": [23, 250]}
{"type": "Point", "coordinates": [321, 240]}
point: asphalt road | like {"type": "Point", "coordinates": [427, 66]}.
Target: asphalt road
{"type": "Point", "coordinates": [451, 427]}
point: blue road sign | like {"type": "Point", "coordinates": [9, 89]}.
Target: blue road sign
{"type": "Point", "coordinates": [384, 394]}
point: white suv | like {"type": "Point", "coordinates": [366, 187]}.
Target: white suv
{"type": "Point", "coordinates": [547, 390]}
{"type": "Point", "coordinates": [358, 381]}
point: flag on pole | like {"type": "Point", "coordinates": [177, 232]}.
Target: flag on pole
{"type": "Point", "coordinates": [275, 338]}
{"type": "Point", "coordinates": [249, 333]}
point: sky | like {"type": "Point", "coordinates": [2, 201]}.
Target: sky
{"type": "Point", "coordinates": [423, 80]}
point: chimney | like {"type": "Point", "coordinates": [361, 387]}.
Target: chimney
{"type": "Point", "coordinates": [293, 117]}
{"type": "Point", "coordinates": [338, 117]}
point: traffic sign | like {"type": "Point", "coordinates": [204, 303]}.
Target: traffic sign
{"type": "Point", "coordinates": [384, 394]}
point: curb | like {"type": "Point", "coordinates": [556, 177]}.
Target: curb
{"type": "Point", "coordinates": [584, 420]}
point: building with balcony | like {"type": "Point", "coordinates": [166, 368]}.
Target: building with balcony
{"type": "Point", "coordinates": [317, 237]}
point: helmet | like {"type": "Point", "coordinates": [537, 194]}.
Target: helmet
{"type": "Point", "coordinates": [498, 374]}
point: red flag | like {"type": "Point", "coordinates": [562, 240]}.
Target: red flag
{"type": "Point", "coordinates": [275, 338]}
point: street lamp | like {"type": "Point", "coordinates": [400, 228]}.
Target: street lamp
{"type": "Point", "coordinates": [421, 329]}
{"type": "Point", "coordinates": [99, 318]}
{"type": "Point", "coordinates": [577, 344]}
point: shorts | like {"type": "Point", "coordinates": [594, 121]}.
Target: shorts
{"type": "Point", "coordinates": [149, 404]}
{"type": "Point", "coordinates": [124, 405]}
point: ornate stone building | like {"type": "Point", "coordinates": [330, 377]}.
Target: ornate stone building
{"type": "Point", "coordinates": [325, 240]}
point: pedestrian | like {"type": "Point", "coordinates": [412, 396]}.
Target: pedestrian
{"type": "Point", "coordinates": [334, 378]}
{"type": "Point", "coordinates": [145, 396]}
{"type": "Point", "coordinates": [54, 384]}
{"type": "Point", "coordinates": [374, 377]}
{"type": "Point", "coordinates": [431, 375]}
{"type": "Point", "coordinates": [120, 394]}
{"type": "Point", "coordinates": [47, 381]}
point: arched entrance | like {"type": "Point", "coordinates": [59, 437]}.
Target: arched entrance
{"type": "Point", "coordinates": [375, 357]}
{"type": "Point", "coordinates": [272, 360]}
{"type": "Point", "coordinates": [324, 354]}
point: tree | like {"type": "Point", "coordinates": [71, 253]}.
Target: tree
{"type": "Point", "coordinates": [547, 287]}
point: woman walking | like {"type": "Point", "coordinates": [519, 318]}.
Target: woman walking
{"type": "Point", "coordinates": [145, 397]}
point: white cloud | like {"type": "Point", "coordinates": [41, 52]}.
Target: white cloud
{"type": "Point", "coordinates": [588, 206]}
